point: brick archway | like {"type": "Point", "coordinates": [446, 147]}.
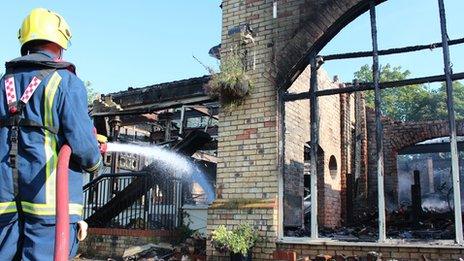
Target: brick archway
{"type": "Point", "coordinates": [399, 135]}
{"type": "Point", "coordinates": [315, 23]}
{"type": "Point", "coordinates": [403, 134]}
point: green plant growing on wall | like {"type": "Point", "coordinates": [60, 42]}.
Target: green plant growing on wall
{"type": "Point", "coordinates": [232, 84]}
{"type": "Point", "coordinates": [238, 240]}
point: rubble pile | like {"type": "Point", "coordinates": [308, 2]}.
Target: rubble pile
{"type": "Point", "coordinates": [430, 225]}
{"type": "Point", "coordinates": [192, 249]}
{"type": "Point", "coordinates": [401, 224]}
{"type": "Point", "coordinates": [371, 256]}
{"type": "Point", "coordinates": [365, 229]}
{"type": "Point", "coordinates": [149, 252]}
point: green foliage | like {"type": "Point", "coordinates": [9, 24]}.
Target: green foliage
{"type": "Point", "coordinates": [91, 93]}
{"type": "Point", "coordinates": [240, 239]}
{"type": "Point", "coordinates": [231, 85]}
{"type": "Point", "coordinates": [413, 102]}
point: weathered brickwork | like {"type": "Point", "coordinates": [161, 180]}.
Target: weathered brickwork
{"type": "Point", "coordinates": [248, 145]}
{"type": "Point", "coordinates": [304, 27]}
{"type": "Point", "coordinates": [232, 212]}
{"type": "Point", "coordinates": [248, 137]}
{"type": "Point", "coordinates": [400, 253]}
{"type": "Point", "coordinates": [297, 134]}
{"type": "Point", "coordinates": [106, 243]}
{"type": "Point", "coordinates": [330, 144]}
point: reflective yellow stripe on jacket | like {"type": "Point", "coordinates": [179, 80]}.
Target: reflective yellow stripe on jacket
{"type": "Point", "coordinates": [52, 159]}
{"type": "Point", "coordinates": [50, 146]}
{"type": "Point", "coordinates": [7, 207]}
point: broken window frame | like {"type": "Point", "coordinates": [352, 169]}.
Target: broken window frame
{"type": "Point", "coordinates": [315, 61]}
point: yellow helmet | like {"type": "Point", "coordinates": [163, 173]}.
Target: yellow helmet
{"type": "Point", "coordinates": [43, 24]}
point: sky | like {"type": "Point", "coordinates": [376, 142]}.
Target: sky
{"type": "Point", "coordinates": [117, 44]}
{"type": "Point", "coordinates": [120, 44]}
{"type": "Point", "coordinates": [400, 25]}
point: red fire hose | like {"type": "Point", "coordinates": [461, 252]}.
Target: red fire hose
{"type": "Point", "coordinates": [62, 205]}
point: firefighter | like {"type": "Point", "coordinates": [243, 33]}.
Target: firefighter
{"type": "Point", "coordinates": [43, 105]}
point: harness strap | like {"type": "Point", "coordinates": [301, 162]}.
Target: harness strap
{"type": "Point", "coordinates": [16, 120]}
{"type": "Point", "coordinates": [10, 90]}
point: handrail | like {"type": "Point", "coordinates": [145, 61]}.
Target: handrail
{"type": "Point", "coordinates": [113, 175]}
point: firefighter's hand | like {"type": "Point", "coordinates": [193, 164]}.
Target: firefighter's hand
{"type": "Point", "coordinates": [102, 141]}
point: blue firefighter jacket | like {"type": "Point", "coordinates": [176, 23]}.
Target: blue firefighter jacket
{"type": "Point", "coordinates": [59, 101]}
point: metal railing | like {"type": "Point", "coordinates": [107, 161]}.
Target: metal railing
{"type": "Point", "coordinates": [135, 200]}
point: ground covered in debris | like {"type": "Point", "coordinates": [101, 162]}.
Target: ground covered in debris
{"type": "Point", "coordinates": [192, 248]}
{"type": "Point", "coordinates": [401, 224]}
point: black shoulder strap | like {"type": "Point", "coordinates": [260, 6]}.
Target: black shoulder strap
{"type": "Point", "coordinates": [13, 66]}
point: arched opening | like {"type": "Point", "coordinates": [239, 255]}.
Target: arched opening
{"type": "Point", "coordinates": [333, 168]}
{"type": "Point", "coordinates": [348, 121]}
{"type": "Point", "coordinates": [425, 187]}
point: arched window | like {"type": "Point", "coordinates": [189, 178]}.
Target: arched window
{"type": "Point", "coordinates": [333, 167]}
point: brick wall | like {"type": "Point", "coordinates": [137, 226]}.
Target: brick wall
{"type": "Point", "coordinates": [102, 242]}
{"type": "Point", "coordinates": [247, 171]}
{"type": "Point", "coordinates": [362, 176]}
{"type": "Point", "coordinates": [330, 142]}
{"type": "Point", "coordinates": [400, 253]}
{"type": "Point", "coordinates": [297, 134]}
{"type": "Point", "coordinates": [258, 212]}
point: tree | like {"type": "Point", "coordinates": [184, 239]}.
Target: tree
{"type": "Point", "coordinates": [414, 102]}
{"type": "Point", "coordinates": [458, 97]}
{"type": "Point", "coordinates": [91, 93]}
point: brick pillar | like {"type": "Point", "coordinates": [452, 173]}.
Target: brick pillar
{"type": "Point", "coordinates": [346, 134]}
{"type": "Point", "coordinates": [247, 171]}
{"type": "Point", "coordinates": [361, 139]}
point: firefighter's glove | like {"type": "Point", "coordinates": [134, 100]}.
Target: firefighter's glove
{"type": "Point", "coordinates": [82, 230]}
{"type": "Point", "coordinates": [102, 141]}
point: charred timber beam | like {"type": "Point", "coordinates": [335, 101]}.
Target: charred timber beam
{"type": "Point", "coordinates": [194, 113]}
{"type": "Point", "coordinates": [452, 125]}
{"type": "Point", "coordinates": [314, 136]}
{"type": "Point", "coordinates": [406, 49]}
{"type": "Point", "coordinates": [159, 135]}
{"type": "Point", "coordinates": [416, 199]}
{"type": "Point", "coordinates": [159, 96]}
{"type": "Point", "coordinates": [370, 86]}
{"type": "Point", "coordinates": [129, 120]}
{"type": "Point", "coordinates": [161, 92]}
{"type": "Point", "coordinates": [175, 103]}
{"type": "Point", "coordinates": [378, 126]}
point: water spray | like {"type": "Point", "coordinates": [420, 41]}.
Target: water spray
{"type": "Point", "coordinates": [170, 162]}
